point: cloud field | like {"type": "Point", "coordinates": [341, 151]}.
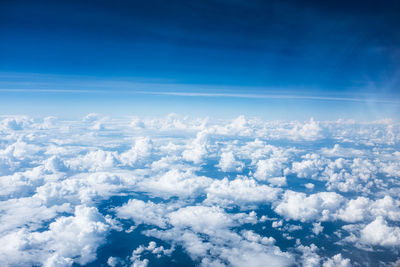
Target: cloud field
{"type": "Point", "coordinates": [182, 191]}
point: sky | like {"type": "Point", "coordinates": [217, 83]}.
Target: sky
{"type": "Point", "coordinates": [275, 59]}
{"type": "Point", "coordinates": [199, 133]}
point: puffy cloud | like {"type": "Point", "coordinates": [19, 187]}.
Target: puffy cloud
{"type": "Point", "coordinates": [114, 261]}
{"type": "Point", "coordinates": [277, 224]}
{"type": "Point", "coordinates": [337, 260]}
{"type": "Point", "coordinates": [201, 218]}
{"type": "Point", "coordinates": [208, 220]}
{"type": "Point", "coordinates": [254, 255]}
{"type": "Point", "coordinates": [299, 206]}
{"type": "Point", "coordinates": [391, 166]}
{"type": "Point", "coordinates": [317, 228]}
{"type": "Point", "coordinates": [17, 155]}
{"type": "Point", "coordinates": [191, 224]}
{"type": "Point", "coordinates": [309, 186]}
{"type": "Point", "coordinates": [21, 184]}
{"type": "Point", "coordinates": [361, 209]}
{"type": "Point", "coordinates": [68, 239]}
{"type": "Point", "coordinates": [175, 183]}
{"type": "Point", "coordinates": [310, 258]}
{"type": "Point", "coordinates": [228, 163]}
{"type": "Point", "coordinates": [363, 168]}
{"type": "Point", "coordinates": [310, 130]}
{"type": "Point", "coordinates": [138, 153]}
{"type": "Point", "coordinates": [94, 161]}
{"type": "Point", "coordinates": [379, 233]}
{"type": "Point", "coordinates": [54, 173]}
{"type": "Point", "coordinates": [269, 168]}
{"type": "Point", "coordinates": [28, 212]}
{"type": "Point", "coordinates": [240, 191]}
{"type": "Point", "coordinates": [355, 210]}
{"type": "Point", "coordinates": [84, 188]}
{"type": "Point", "coordinates": [310, 167]}
{"type": "Point", "coordinates": [339, 151]}
{"type": "Point", "coordinates": [241, 126]}
{"type": "Point", "coordinates": [15, 123]}
{"type": "Point", "coordinates": [95, 121]}
{"type": "Point", "coordinates": [197, 149]}
{"type": "Point", "coordinates": [228, 248]}
{"type": "Point", "coordinates": [386, 207]}
{"type": "Point", "coordinates": [152, 248]}
{"type": "Point", "coordinates": [144, 212]}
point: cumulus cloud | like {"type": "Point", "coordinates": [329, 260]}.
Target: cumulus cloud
{"type": "Point", "coordinates": [152, 248]}
{"type": "Point", "coordinates": [201, 219]}
{"type": "Point", "coordinates": [269, 168]}
{"type": "Point", "coordinates": [144, 212]}
{"type": "Point", "coordinates": [310, 130]}
{"type": "Point", "coordinates": [299, 206]}
{"type": "Point", "coordinates": [216, 190]}
{"type": "Point", "coordinates": [228, 163]}
{"type": "Point", "coordinates": [197, 149]}
{"type": "Point", "coordinates": [138, 153]}
{"type": "Point", "coordinates": [68, 239]}
{"type": "Point", "coordinates": [309, 258]}
{"type": "Point", "coordinates": [309, 167]}
{"type": "Point", "coordinates": [337, 260]}
{"type": "Point", "coordinates": [175, 183]}
{"type": "Point", "coordinates": [15, 123]}
{"type": "Point", "coordinates": [362, 208]}
{"type": "Point", "coordinates": [379, 233]}
{"type": "Point", "coordinates": [240, 191]}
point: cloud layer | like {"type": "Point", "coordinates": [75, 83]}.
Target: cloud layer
{"type": "Point", "coordinates": [223, 193]}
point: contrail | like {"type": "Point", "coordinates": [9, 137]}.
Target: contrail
{"type": "Point", "coordinates": [202, 94]}
{"type": "Point", "coordinates": [271, 96]}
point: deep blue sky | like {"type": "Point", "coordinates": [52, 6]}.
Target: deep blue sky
{"type": "Point", "coordinates": [326, 48]}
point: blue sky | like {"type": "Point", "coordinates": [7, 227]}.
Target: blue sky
{"type": "Point", "coordinates": [117, 54]}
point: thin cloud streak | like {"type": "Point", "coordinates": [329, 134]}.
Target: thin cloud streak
{"type": "Point", "coordinates": [213, 95]}
{"type": "Point", "coordinates": [272, 96]}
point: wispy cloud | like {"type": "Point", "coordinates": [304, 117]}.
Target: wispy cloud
{"type": "Point", "coordinates": [359, 99]}
{"type": "Point", "coordinates": [276, 96]}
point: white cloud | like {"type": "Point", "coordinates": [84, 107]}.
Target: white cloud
{"type": "Point", "coordinates": [337, 261]}
{"type": "Point", "coordinates": [29, 212]}
{"type": "Point", "coordinates": [54, 173]}
{"type": "Point", "coordinates": [144, 212]}
{"type": "Point", "coordinates": [355, 210]}
{"type": "Point", "coordinates": [309, 186]}
{"type": "Point", "coordinates": [379, 233]}
{"type": "Point", "coordinates": [310, 258]}
{"type": "Point", "coordinates": [201, 219]}
{"type": "Point", "coordinates": [197, 149]}
{"type": "Point", "coordinates": [94, 161]}
{"type": "Point", "coordinates": [269, 168]}
{"type": "Point", "coordinates": [310, 130]}
{"type": "Point", "coordinates": [339, 151]}
{"type": "Point", "coordinates": [15, 123]}
{"type": "Point", "coordinates": [299, 206]}
{"type": "Point", "coordinates": [152, 248]}
{"type": "Point", "coordinates": [240, 191]}
{"type": "Point", "coordinates": [317, 228]}
{"type": "Point", "coordinates": [228, 163]}
{"type": "Point", "coordinates": [68, 239]}
{"type": "Point", "coordinates": [141, 150]}
{"type": "Point", "coordinates": [310, 167]}
{"type": "Point", "coordinates": [175, 183]}
{"type": "Point", "coordinates": [361, 209]}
